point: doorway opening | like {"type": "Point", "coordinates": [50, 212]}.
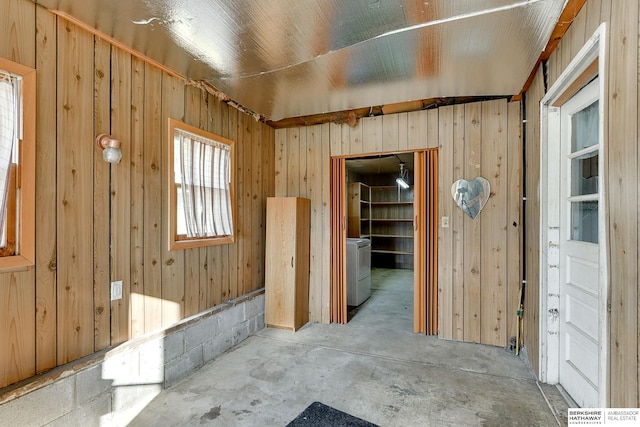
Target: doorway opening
{"type": "Point", "coordinates": [574, 228]}
{"type": "Point", "coordinates": [380, 216]}
{"type": "Point", "coordinates": [389, 239]}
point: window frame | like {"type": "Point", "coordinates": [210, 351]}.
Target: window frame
{"type": "Point", "coordinates": [25, 177]}
{"type": "Point", "coordinates": [176, 242]}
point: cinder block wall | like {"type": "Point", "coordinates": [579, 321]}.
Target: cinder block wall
{"type": "Point", "coordinates": [112, 387]}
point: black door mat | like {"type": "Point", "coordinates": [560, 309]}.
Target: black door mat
{"type": "Point", "coordinates": [320, 415]}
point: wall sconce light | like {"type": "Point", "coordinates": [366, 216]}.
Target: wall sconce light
{"type": "Point", "coordinates": [111, 148]}
{"type": "Point", "coordinates": [403, 178]}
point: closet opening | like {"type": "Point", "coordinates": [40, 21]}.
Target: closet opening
{"type": "Point", "coordinates": [390, 243]}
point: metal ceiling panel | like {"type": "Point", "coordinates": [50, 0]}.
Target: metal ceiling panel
{"type": "Point", "coordinates": [288, 58]}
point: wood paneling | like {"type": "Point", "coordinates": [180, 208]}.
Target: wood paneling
{"type": "Point", "coordinates": [192, 267]}
{"type": "Point", "coordinates": [60, 309]}
{"type": "Point", "coordinates": [621, 176]}
{"type": "Point", "coordinates": [470, 308]}
{"type": "Point", "coordinates": [314, 193]}
{"type": "Point", "coordinates": [46, 117]}
{"type": "Point", "coordinates": [622, 170]}
{"type": "Point", "coordinates": [101, 197]}
{"type": "Point", "coordinates": [152, 128]}
{"type": "Point", "coordinates": [514, 216]}
{"type": "Point", "coordinates": [445, 236]}
{"type": "Point", "coordinates": [136, 239]}
{"type": "Point", "coordinates": [472, 234]}
{"type": "Point", "coordinates": [493, 223]}
{"type": "Point", "coordinates": [121, 194]}
{"type": "Point", "coordinates": [75, 192]}
{"type": "Point", "coordinates": [457, 228]}
{"type": "Point", "coordinates": [532, 221]}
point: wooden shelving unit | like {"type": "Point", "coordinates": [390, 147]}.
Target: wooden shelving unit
{"type": "Point", "coordinates": [384, 215]}
{"type": "Point", "coordinates": [359, 210]}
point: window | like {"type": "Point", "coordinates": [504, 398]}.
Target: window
{"type": "Point", "coordinates": [583, 157]}
{"type": "Point", "coordinates": [17, 165]}
{"type": "Point", "coordinates": [201, 170]}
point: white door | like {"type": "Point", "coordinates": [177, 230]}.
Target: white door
{"type": "Point", "coordinates": [579, 246]}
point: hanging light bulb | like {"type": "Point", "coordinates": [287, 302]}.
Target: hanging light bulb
{"type": "Point", "coordinates": [403, 179]}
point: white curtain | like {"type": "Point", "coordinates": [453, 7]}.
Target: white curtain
{"type": "Point", "coordinates": [203, 174]}
{"type": "Point", "coordinates": [9, 121]}
{"type": "Point", "coordinates": [584, 128]}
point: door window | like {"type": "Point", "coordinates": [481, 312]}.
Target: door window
{"type": "Point", "coordinates": [583, 159]}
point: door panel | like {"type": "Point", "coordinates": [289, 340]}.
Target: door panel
{"type": "Point", "coordinates": [579, 248]}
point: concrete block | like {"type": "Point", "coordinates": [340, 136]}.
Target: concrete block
{"type": "Point", "coordinates": [42, 406]}
{"type": "Point", "coordinates": [240, 332]}
{"type": "Point", "coordinates": [173, 346]}
{"type": "Point", "coordinates": [182, 366]}
{"type": "Point", "coordinates": [131, 405]}
{"type": "Point", "coordinates": [232, 317]}
{"type": "Point", "coordinates": [125, 398]}
{"type": "Point", "coordinates": [122, 368]}
{"type": "Point", "coordinates": [254, 307]}
{"type": "Point", "coordinates": [152, 362]}
{"type": "Point", "coordinates": [94, 413]}
{"type": "Point", "coordinates": [260, 325]}
{"type": "Point", "coordinates": [90, 384]}
{"type": "Point", "coordinates": [221, 343]}
{"type": "Point", "coordinates": [200, 332]}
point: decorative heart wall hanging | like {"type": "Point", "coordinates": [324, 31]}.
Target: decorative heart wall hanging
{"type": "Point", "coordinates": [471, 196]}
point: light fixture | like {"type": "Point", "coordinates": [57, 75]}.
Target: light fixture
{"type": "Point", "coordinates": [111, 148]}
{"type": "Point", "coordinates": [403, 178]}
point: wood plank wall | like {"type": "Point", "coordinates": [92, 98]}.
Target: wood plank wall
{"type": "Point", "coordinates": [479, 260]}
{"type": "Point", "coordinates": [60, 309]}
{"type": "Point", "coordinates": [622, 178]}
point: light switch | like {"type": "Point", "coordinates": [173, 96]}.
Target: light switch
{"type": "Point", "coordinates": [116, 290]}
{"type": "Point", "coordinates": [445, 222]}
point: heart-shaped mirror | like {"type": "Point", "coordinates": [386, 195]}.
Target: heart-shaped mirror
{"type": "Point", "coordinates": [471, 196]}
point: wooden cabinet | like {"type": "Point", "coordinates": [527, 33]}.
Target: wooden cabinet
{"type": "Point", "coordinates": [287, 262]}
{"type": "Point", "coordinates": [384, 215]}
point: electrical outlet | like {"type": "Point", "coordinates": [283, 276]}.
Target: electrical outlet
{"type": "Point", "coordinates": [445, 222]}
{"type": "Point", "coordinates": [116, 290]}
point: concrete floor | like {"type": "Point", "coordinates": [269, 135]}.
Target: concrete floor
{"type": "Point", "coordinates": [374, 368]}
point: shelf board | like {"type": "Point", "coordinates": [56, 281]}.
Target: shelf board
{"type": "Point", "coordinates": [380, 251]}
{"type": "Point", "coordinates": [390, 203]}
{"type": "Point", "coordinates": [392, 220]}
{"type": "Point", "coordinates": [399, 236]}
{"type": "Point", "coordinates": [385, 187]}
